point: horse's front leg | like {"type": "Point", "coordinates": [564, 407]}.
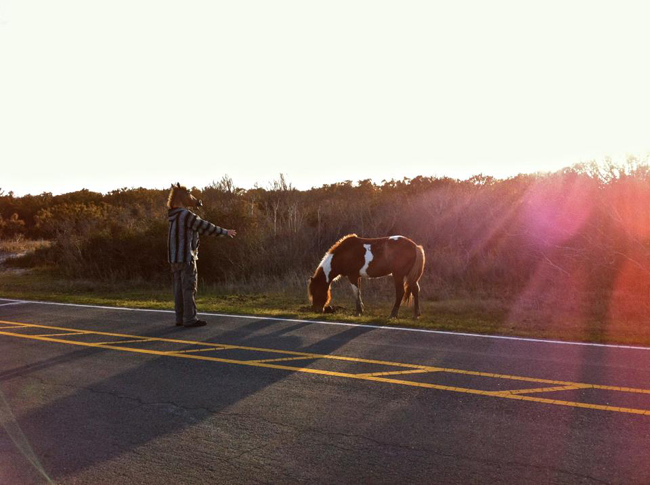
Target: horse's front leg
{"type": "Point", "coordinates": [399, 294]}
{"type": "Point", "coordinates": [355, 284]}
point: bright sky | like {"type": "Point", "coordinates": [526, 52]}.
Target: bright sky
{"type": "Point", "coordinates": [127, 93]}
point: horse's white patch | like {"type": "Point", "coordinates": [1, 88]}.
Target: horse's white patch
{"type": "Point", "coordinates": [326, 264]}
{"type": "Point", "coordinates": [368, 257]}
{"type": "Point", "coordinates": [395, 238]}
{"type": "Point", "coordinates": [355, 290]}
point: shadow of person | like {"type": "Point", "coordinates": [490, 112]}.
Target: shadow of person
{"type": "Point", "coordinates": [80, 353]}
{"type": "Point", "coordinates": [151, 398]}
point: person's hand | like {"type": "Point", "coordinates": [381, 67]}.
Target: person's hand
{"type": "Point", "coordinates": [231, 232]}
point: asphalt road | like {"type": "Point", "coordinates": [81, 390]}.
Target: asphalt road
{"type": "Point", "coordinates": [248, 400]}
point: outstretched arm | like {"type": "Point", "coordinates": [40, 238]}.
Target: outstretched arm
{"type": "Point", "coordinates": [205, 227]}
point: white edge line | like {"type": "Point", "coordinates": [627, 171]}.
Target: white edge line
{"type": "Point", "coordinates": [345, 324]}
{"type": "Point", "coordinates": [13, 303]}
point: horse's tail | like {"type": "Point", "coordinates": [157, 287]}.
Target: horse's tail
{"type": "Point", "coordinates": [414, 274]}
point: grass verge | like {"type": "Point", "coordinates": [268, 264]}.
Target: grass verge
{"type": "Point", "coordinates": [535, 319]}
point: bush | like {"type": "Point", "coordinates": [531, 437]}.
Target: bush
{"type": "Point", "coordinates": [12, 227]}
{"type": "Point", "coordinates": [480, 235]}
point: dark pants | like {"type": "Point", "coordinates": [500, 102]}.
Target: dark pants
{"type": "Point", "coordinates": [185, 283]}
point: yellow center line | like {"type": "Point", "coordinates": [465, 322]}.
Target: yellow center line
{"type": "Point", "coordinates": [15, 326]}
{"type": "Point", "coordinates": [277, 360]}
{"type": "Point", "coordinates": [546, 389]}
{"type": "Point", "coordinates": [194, 350]}
{"type": "Point", "coordinates": [137, 340]}
{"type": "Point", "coordinates": [268, 363]}
{"type": "Point", "coordinates": [234, 347]}
{"type": "Point", "coordinates": [392, 373]}
{"type": "Point", "coordinates": [66, 334]}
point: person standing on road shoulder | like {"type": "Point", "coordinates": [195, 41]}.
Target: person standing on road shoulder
{"type": "Point", "coordinates": [183, 246]}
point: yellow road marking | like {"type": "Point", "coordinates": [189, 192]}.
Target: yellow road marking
{"type": "Point", "coordinates": [376, 377]}
{"type": "Point", "coordinates": [15, 326]}
{"type": "Point", "coordinates": [546, 389]}
{"type": "Point", "coordinates": [234, 347]}
{"type": "Point", "coordinates": [137, 340]}
{"type": "Point", "coordinates": [278, 360]}
{"type": "Point", "coordinates": [65, 334]}
{"type": "Point", "coordinates": [392, 373]}
{"type": "Point", "coordinates": [194, 350]}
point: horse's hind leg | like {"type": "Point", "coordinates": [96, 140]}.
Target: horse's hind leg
{"type": "Point", "coordinates": [356, 289]}
{"type": "Point", "coordinates": [415, 290]}
{"type": "Point", "coordinates": [399, 294]}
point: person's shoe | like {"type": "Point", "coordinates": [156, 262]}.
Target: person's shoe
{"type": "Point", "coordinates": [179, 324]}
{"type": "Point", "coordinates": [198, 323]}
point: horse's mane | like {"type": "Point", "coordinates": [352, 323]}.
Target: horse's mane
{"type": "Point", "coordinates": [336, 245]}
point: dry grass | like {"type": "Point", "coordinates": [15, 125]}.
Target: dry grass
{"type": "Point", "coordinates": [19, 246]}
{"type": "Point", "coordinates": [552, 311]}
{"type": "Point", "coordinates": [589, 320]}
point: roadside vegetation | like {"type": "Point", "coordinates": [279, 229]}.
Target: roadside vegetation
{"type": "Point", "coordinates": [563, 255]}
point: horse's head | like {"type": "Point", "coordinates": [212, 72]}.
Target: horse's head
{"type": "Point", "coordinates": [180, 196]}
{"type": "Point", "coordinates": [319, 292]}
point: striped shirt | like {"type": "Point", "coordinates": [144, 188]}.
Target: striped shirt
{"type": "Point", "coordinates": [183, 235]}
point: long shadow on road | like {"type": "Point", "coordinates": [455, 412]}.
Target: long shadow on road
{"type": "Point", "coordinates": [156, 398]}
{"type": "Point", "coordinates": [25, 370]}
{"type": "Point", "coordinates": [143, 417]}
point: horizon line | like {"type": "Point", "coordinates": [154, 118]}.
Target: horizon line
{"type": "Point", "coordinates": [640, 162]}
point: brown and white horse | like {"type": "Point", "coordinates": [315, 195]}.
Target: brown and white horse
{"type": "Point", "coordinates": [356, 257]}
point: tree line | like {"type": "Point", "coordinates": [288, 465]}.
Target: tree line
{"type": "Point", "coordinates": [588, 224]}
